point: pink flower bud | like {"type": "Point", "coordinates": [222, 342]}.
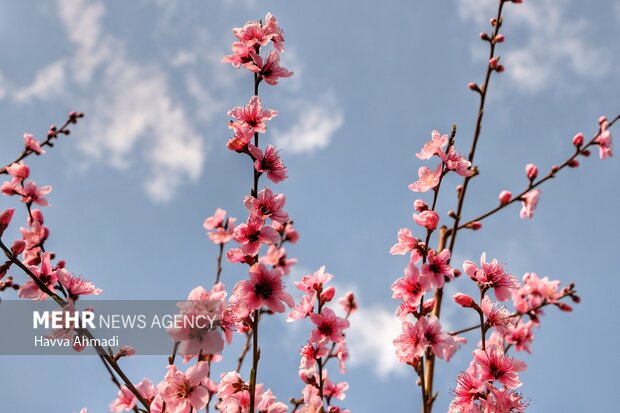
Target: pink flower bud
{"type": "Point", "coordinates": [428, 305]}
{"type": "Point", "coordinates": [464, 300]}
{"type": "Point", "coordinates": [5, 219]}
{"type": "Point", "coordinates": [473, 86]}
{"type": "Point", "coordinates": [494, 62]}
{"type": "Point", "coordinates": [555, 168]}
{"type": "Point", "coordinates": [602, 119]}
{"type": "Point", "coordinates": [18, 247]}
{"type": "Point", "coordinates": [574, 163]}
{"type": "Point", "coordinates": [578, 139]}
{"type": "Point", "coordinates": [531, 171]}
{"type": "Point", "coordinates": [476, 225]}
{"type": "Point", "coordinates": [500, 68]}
{"type": "Point", "coordinates": [126, 351]}
{"type": "Point", "coordinates": [427, 219]}
{"type": "Point", "coordinates": [328, 294]}
{"type": "Point", "coordinates": [457, 272]}
{"type": "Point", "coordinates": [586, 152]}
{"type": "Point", "coordinates": [564, 307]}
{"type": "Point", "coordinates": [504, 197]}
{"type": "Point", "coordinates": [484, 36]}
{"type": "Point", "coordinates": [499, 38]}
{"type": "Point", "coordinates": [420, 205]}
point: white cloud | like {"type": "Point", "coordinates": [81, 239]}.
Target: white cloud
{"type": "Point", "coordinates": [554, 46]}
{"type": "Point", "coordinates": [134, 108]}
{"type": "Point", "coordinates": [370, 340]}
{"type": "Point", "coordinates": [48, 82]}
{"type": "Point", "coordinates": [313, 129]}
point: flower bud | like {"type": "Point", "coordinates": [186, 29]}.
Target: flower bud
{"type": "Point", "coordinates": [578, 139]}
{"type": "Point", "coordinates": [493, 62]}
{"type": "Point", "coordinates": [476, 225]}
{"type": "Point", "coordinates": [586, 152]}
{"type": "Point", "coordinates": [484, 36]}
{"type": "Point", "coordinates": [531, 171]}
{"type": "Point", "coordinates": [473, 86]}
{"type": "Point", "coordinates": [328, 294]}
{"type": "Point", "coordinates": [500, 68]}
{"type": "Point", "coordinates": [5, 219]}
{"type": "Point", "coordinates": [464, 300]}
{"type": "Point", "coordinates": [18, 247]}
{"type": "Point", "coordinates": [420, 205]}
{"type": "Point", "coordinates": [504, 197]}
{"type": "Point", "coordinates": [499, 38]}
{"type": "Point", "coordinates": [564, 307]}
{"type": "Point", "coordinates": [574, 163]}
{"type": "Point", "coordinates": [427, 219]}
{"type": "Point", "coordinates": [602, 119]}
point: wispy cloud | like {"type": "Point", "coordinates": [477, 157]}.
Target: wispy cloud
{"type": "Point", "coordinates": [314, 128]}
{"type": "Point", "coordinates": [370, 340]}
{"type": "Point", "coordinates": [554, 46]}
{"type": "Point", "coordinates": [48, 82]}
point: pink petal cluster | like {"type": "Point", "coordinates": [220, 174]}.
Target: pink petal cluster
{"type": "Point", "coordinates": [492, 275]}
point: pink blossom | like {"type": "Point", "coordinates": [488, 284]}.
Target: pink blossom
{"type": "Point", "coordinates": [492, 275]}
{"type": "Point", "coordinates": [314, 283]}
{"type": "Point", "coordinates": [535, 292]}
{"type": "Point", "coordinates": [267, 205]}
{"type": "Point", "coordinates": [427, 179]}
{"type": "Point", "coordinates": [505, 197]}
{"type": "Point", "coordinates": [277, 257]}
{"type": "Point", "coordinates": [469, 388]}
{"type": "Point", "coordinates": [19, 171]}
{"type": "Point", "coordinates": [230, 384]}
{"type": "Point", "coordinates": [428, 219]}
{"type": "Point", "coordinates": [434, 146]}
{"type": "Point", "coordinates": [31, 193]}
{"type": "Point", "coordinates": [309, 357]}
{"type": "Point", "coordinates": [529, 202]}
{"type": "Point", "coordinates": [303, 309]}
{"type": "Point", "coordinates": [455, 162]}
{"type": "Point", "coordinates": [328, 327]}
{"type": "Point", "coordinates": [497, 317]}
{"type": "Point", "coordinates": [521, 336]}
{"type": "Point", "coordinates": [199, 335]}
{"type": "Point", "coordinates": [603, 140]}
{"type": "Point", "coordinates": [184, 391]}
{"type": "Point", "coordinates": [504, 400]}
{"type": "Point", "coordinates": [216, 220]}
{"type": "Point", "coordinates": [269, 163]}
{"type": "Point", "coordinates": [5, 219]}
{"type": "Point", "coordinates": [333, 390]}
{"type": "Point", "coordinates": [410, 344]}
{"type": "Point", "coordinates": [495, 365]}
{"type": "Point", "coordinates": [254, 33]}
{"type": "Point", "coordinates": [465, 300]}
{"type": "Point", "coordinates": [243, 136]}
{"type": "Point", "coordinates": [252, 115]}
{"type": "Point", "coordinates": [348, 303]}
{"type": "Point", "coordinates": [407, 243]}
{"type": "Point", "coordinates": [76, 286]}
{"type": "Point", "coordinates": [441, 342]}
{"type": "Point", "coordinates": [45, 274]}
{"type": "Point", "coordinates": [410, 287]}
{"type": "Point", "coordinates": [32, 144]}
{"type": "Point", "coordinates": [269, 70]}
{"type": "Point", "coordinates": [437, 268]}
{"type": "Point", "coordinates": [126, 400]}
{"type": "Point", "coordinates": [264, 288]}
{"type": "Point", "coordinates": [578, 139]}
{"type": "Point", "coordinates": [531, 171]}
{"type": "Point", "coordinates": [252, 235]}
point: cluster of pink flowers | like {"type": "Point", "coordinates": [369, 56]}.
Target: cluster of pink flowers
{"type": "Point", "coordinates": [427, 268]}
{"type": "Point", "coordinates": [326, 341]}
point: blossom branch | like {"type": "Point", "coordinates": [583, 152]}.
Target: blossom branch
{"type": "Point", "coordinates": [532, 185]}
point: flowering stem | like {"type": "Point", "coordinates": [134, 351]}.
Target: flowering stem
{"type": "Point", "coordinates": [533, 185]}
{"type": "Point", "coordinates": [64, 130]}
{"type": "Point", "coordinates": [255, 358]}
{"type": "Point", "coordinates": [483, 330]}
{"type": "Point", "coordinates": [104, 356]}
{"type": "Point", "coordinates": [430, 362]}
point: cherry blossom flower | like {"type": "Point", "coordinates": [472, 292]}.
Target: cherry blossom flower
{"type": "Point", "coordinates": [504, 400]}
{"type": "Point", "coordinates": [314, 283]}
{"type": "Point", "coordinates": [521, 336]}
{"type": "Point", "coordinates": [254, 33]}
{"type": "Point", "coordinates": [45, 274]}
{"type": "Point", "coordinates": [267, 205]}
{"type": "Point", "coordinates": [410, 287]}
{"type": "Point", "coordinates": [441, 342]}
{"type": "Point", "coordinates": [5, 219]}
{"type": "Point", "coordinates": [76, 286]}
{"type": "Point", "coordinates": [469, 388]}
{"type": "Point", "coordinates": [269, 163]}
{"type": "Point", "coordinates": [269, 70]}
{"type": "Point", "coordinates": [410, 344]}
{"type": "Point", "coordinates": [32, 144]}
{"type": "Point", "coordinates": [495, 365]}
{"type": "Point", "coordinates": [407, 243]}
{"type": "Point", "coordinates": [348, 303]}
{"type": "Point", "coordinates": [603, 140]}
{"type": "Point", "coordinates": [529, 202]}
{"type": "Point", "coordinates": [497, 317]}
{"type": "Point", "coordinates": [31, 193]}
{"type": "Point", "coordinates": [19, 171]}
{"type": "Point", "coordinates": [455, 162]}
{"type": "Point", "coordinates": [126, 400]}
{"type": "Point", "coordinates": [184, 391]}
{"type": "Point", "coordinates": [535, 292]}
{"type": "Point", "coordinates": [243, 136]}
{"type": "Point", "coordinates": [428, 219]}
{"type": "Point", "coordinates": [437, 268]}
{"type": "Point", "coordinates": [427, 179]}
{"type": "Point", "coordinates": [328, 327]}
{"type": "Point", "coordinates": [216, 220]}
{"type": "Point", "coordinates": [252, 235]}
{"type": "Point", "coordinates": [434, 146]}
{"type": "Point", "coordinates": [492, 275]}
{"type": "Point", "coordinates": [252, 115]}
{"type": "Point", "coordinates": [276, 257]}
{"type": "Point", "coordinates": [264, 288]}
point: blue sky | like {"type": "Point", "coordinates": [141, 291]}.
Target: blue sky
{"type": "Point", "coordinates": [137, 177]}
